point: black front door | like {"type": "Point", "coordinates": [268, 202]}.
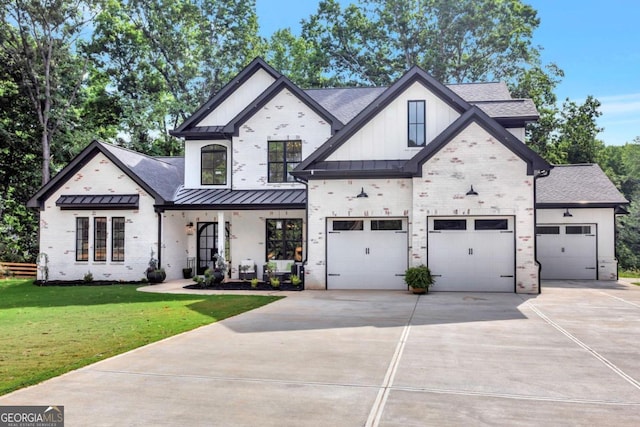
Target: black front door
{"type": "Point", "coordinates": [207, 244]}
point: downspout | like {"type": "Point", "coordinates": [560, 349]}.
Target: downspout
{"type": "Point", "coordinates": [541, 174]}
{"type": "Point", "coordinates": [306, 221]}
{"type": "Point", "coordinates": [159, 213]}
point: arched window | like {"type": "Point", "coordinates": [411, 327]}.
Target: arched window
{"type": "Point", "coordinates": [213, 165]}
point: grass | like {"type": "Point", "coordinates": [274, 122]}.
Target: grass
{"type": "Point", "coordinates": [47, 331]}
{"type": "Point", "coordinates": [630, 274]}
{"type": "Point", "coordinates": [634, 274]}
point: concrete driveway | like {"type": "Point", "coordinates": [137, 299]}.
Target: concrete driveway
{"type": "Point", "coordinates": [570, 356]}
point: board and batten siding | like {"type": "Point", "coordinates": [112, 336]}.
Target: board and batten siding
{"type": "Point", "coordinates": [237, 102]}
{"type": "Point", "coordinates": [385, 136]}
{"type": "Point", "coordinates": [499, 177]}
{"type": "Point", "coordinates": [604, 219]}
{"type": "Point", "coordinates": [387, 198]}
{"type": "Point", "coordinates": [58, 227]}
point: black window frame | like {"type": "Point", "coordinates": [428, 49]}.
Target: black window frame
{"type": "Point", "coordinates": [416, 122]}
{"type": "Point", "coordinates": [100, 239]}
{"type": "Point", "coordinates": [118, 238]}
{"type": "Point", "coordinates": [82, 238]}
{"type": "Point", "coordinates": [290, 238]}
{"type": "Point", "coordinates": [213, 149]}
{"type": "Point", "coordinates": [281, 162]}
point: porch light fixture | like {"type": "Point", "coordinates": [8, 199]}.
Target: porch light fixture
{"type": "Point", "coordinates": [189, 228]}
{"type": "Point", "coordinates": [567, 213]}
{"type": "Point", "coordinates": [362, 193]}
{"type": "Point", "coordinates": [472, 192]}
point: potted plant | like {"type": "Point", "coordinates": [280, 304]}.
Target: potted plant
{"type": "Point", "coordinates": [254, 282]}
{"type": "Point", "coordinates": [275, 282]}
{"type": "Point", "coordinates": [419, 279]}
{"type": "Point", "coordinates": [155, 274]}
{"type": "Point", "coordinates": [187, 273]}
{"type": "Point", "coordinates": [295, 280]}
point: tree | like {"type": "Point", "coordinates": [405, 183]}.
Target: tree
{"type": "Point", "coordinates": [164, 58]}
{"type": "Point", "coordinates": [298, 59]}
{"type": "Point", "coordinates": [622, 165]}
{"type": "Point", "coordinates": [468, 40]}
{"type": "Point", "coordinates": [575, 141]}
{"type": "Point", "coordinates": [42, 37]}
{"type": "Point", "coordinates": [18, 178]}
{"type": "Point", "coordinates": [538, 85]}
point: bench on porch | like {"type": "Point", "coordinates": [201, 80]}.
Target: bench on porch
{"type": "Point", "coordinates": [19, 270]}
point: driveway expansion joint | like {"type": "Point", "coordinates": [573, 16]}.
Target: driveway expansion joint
{"type": "Point", "coordinates": [593, 352]}
{"type": "Point", "coordinates": [387, 384]}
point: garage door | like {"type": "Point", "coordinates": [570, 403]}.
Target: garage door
{"type": "Point", "coordinates": [472, 253]}
{"type": "Point", "coordinates": [365, 253]}
{"type": "Point", "coordinates": [567, 251]}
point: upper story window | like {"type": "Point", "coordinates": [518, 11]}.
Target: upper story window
{"type": "Point", "coordinates": [284, 156]}
{"type": "Point", "coordinates": [213, 165]}
{"type": "Point", "coordinates": [416, 124]}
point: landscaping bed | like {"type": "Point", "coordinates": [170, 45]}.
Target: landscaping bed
{"type": "Point", "coordinates": [246, 286]}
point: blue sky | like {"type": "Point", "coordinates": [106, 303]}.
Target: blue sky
{"type": "Point", "coordinates": [595, 42]}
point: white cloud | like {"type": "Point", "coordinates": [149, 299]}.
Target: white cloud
{"type": "Point", "coordinates": [621, 104]}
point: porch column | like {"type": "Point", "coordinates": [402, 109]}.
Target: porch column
{"type": "Point", "coordinates": [221, 235]}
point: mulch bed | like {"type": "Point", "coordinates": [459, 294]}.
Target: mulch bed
{"type": "Point", "coordinates": [83, 283]}
{"type": "Point", "coordinates": [246, 286]}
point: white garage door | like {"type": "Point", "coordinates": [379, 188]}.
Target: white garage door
{"type": "Point", "coordinates": [366, 253]}
{"type": "Point", "coordinates": [472, 253]}
{"type": "Point", "coordinates": [567, 251]}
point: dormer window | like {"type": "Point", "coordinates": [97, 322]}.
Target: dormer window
{"type": "Point", "coordinates": [213, 164]}
{"type": "Point", "coordinates": [417, 129]}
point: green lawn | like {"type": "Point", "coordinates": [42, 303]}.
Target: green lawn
{"type": "Point", "coordinates": [634, 274]}
{"type": "Point", "coordinates": [47, 331]}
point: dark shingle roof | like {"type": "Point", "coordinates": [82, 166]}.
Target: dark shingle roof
{"type": "Point", "coordinates": [493, 98]}
{"type": "Point", "coordinates": [162, 176]}
{"type": "Point", "coordinates": [345, 103]}
{"type": "Point", "coordinates": [511, 108]}
{"type": "Point", "coordinates": [581, 185]}
{"type": "Point", "coordinates": [489, 91]}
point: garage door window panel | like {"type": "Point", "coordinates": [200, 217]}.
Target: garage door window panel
{"type": "Point", "coordinates": [348, 225]}
{"type": "Point", "coordinates": [491, 224]}
{"type": "Point", "coordinates": [450, 224]}
{"type": "Point", "coordinates": [578, 229]}
{"type": "Point", "coordinates": [547, 230]}
{"type": "Point", "coordinates": [386, 225]}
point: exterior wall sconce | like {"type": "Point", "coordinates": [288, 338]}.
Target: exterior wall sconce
{"type": "Point", "coordinates": [189, 228]}
{"type": "Point", "coordinates": [362, 193]}
{"type": "Point", "coordinates": [472, 192]}
{"type": "Point", "coordinates": [567, 213]}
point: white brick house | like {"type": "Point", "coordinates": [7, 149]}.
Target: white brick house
{"type": "Point", "coordinates": [357, 184]}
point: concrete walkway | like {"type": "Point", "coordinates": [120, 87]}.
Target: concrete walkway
{"type": "Point", "coordinates": [326, 358]}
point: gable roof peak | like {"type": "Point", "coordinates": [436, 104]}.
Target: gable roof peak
{"type": "Point", "coordinates": [256, 64]}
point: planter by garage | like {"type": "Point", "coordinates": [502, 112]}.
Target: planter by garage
{"type": "Point", "coordinates": [156, 276]}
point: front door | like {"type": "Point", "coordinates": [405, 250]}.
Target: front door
{"type": "Point", "coordinates": [207, 244]}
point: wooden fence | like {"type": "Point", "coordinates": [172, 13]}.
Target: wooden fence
{"type": "Point", "coordinates": [18, 270]}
